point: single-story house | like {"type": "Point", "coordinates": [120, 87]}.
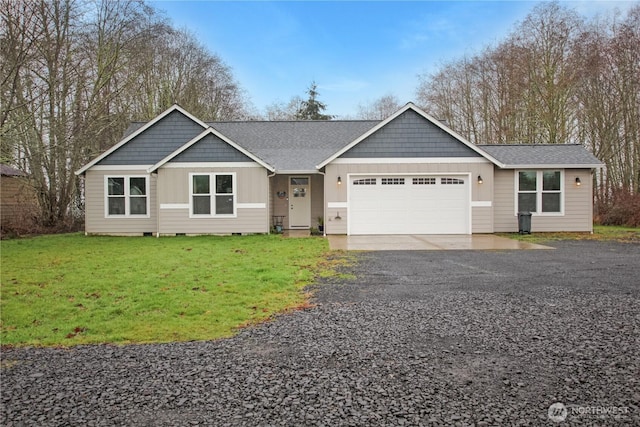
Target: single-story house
{"type": "Point", "coordinates": [407, 174]}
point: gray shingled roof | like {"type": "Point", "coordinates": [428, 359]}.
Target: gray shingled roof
{"type": "Point", "coordinates": [516, 155]}
{"type": "Point", "coordinates": [294, 145]}
{"type": "Point", "coordinates": [6, 170]}
{"type": "Point", "coordinates": [301, 145]}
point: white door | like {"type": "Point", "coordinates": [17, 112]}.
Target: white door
{"type": "Point", "coordinates": [299, 202]}
{"type": "Point", "coordinates": [409, 204]}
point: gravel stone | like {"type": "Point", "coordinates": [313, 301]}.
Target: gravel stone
{"type": "Point", "coordinates": [417, 338]}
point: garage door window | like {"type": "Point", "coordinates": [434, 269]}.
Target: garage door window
{"type": "Point", "coordinates": [392, 181]}
{"type": "Point", "coordinates": [424, 181]}
{"type": "Point", "coordinates": [453, 181]}
{"type": "Point", "coordinates": [365, 181]}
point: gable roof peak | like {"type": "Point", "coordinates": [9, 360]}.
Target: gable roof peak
{"type": "Point", "coordinates": [165, 113]}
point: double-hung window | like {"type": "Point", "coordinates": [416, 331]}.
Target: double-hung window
{"type": "Point", "coordinates": [212, 194]}
{"type": "Point", "coordinates": [540, 192]}
{"type": "Point", "coordinates": [127, 196]}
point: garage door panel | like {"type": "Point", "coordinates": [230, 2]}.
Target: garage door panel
{"type": "Point", "coordinates": [410, 205]}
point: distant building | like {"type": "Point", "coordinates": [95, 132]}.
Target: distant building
{"type": "Point", "coordinates": [17, 199]}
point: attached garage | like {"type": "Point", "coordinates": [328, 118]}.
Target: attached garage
{"type": "Point", "coordinates": [409, 204]}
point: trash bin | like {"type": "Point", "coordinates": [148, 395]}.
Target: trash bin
{"type": "Point", "coordinates": [524, 222]}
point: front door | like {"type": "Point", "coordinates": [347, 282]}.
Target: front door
{"type": "Point", "coordinates": [299, 202]}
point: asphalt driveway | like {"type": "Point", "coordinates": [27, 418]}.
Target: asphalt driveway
{"type": "Point", "coordinates": [413, 338]}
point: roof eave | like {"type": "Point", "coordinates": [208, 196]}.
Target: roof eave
{"type": "Point", "coordinates": [554, 165]}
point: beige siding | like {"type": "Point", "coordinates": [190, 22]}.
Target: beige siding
{"type": "Point", "coordinates": [247, 221]}
{"type": "Point", "coordinates": [481, 217]}
{"type": "Point", "coordinates": [252, 185]}
{"type": "Point", "coordinates": [95, 220]}
{"type": "Point", "coordinates": [578, 204]}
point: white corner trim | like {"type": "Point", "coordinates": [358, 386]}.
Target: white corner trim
{"type": "Point", "coordinates": [405, 160]}
{"type": "Point", "coordinates": [481, 203]}
{"type": "Point", "coordinates": [174, 205]}
{"type": "Point", "coordinates": [337, 205]}
{"type": "Point", "coordinates": [251, 205]}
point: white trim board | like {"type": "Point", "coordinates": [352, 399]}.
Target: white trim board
{"type": "Point", "coordinates": [128, 168]}
{"type": "Point", "coordinates": [336, 205]}
{"type": "Point", "coordinates": [174, 205]}
{"type": "Point", "coordinates": [405, 160]}
{"type": "Point", "coordinates": [251, 205]}
{"type": "Point", "coordinates": [226, 165]}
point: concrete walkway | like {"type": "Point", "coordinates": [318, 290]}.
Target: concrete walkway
{"type": "Point", "coordinates": [428, 243]}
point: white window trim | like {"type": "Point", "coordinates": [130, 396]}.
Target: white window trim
{"type": "Point", "coordinates": [212, 194]}
{"type": "Point", "coordinates": [539, 183]}
{"type": "Point", "coordinates": [127, 195]}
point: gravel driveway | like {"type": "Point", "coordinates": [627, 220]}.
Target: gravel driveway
{"type": "Point", "coordinates": [418, 338]}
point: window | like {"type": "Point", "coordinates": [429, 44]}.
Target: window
{"type": "Point", "coordinates": [365, 181]}
{"type": "Point", "coordinates": [455, 181]}
{"type": "Point", "coordinates": [127, 196]}
{"type": "Point", "coordinates": [392, 181]}
{"type": "Point", "coordinates": [424, 181]}
{"type": "Point", "coordinates": [539, 192]}
{"type": "Point", "coordinates": [212, 194]}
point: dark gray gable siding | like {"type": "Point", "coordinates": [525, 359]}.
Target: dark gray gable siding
{"type": "Point", "coordinates": [157, 142]}
{"type": "Point", "coordinates": [410, 135]}
{"type": "Point", "coordinates": [211, 149]}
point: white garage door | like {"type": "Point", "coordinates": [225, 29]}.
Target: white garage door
{"type": "Point", "coordinates": [409, 204]}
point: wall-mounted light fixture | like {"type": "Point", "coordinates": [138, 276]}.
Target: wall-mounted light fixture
{"type": "Point", "coordinates": [578, 182]}
{"type": "Point", "coordinates": [480, 181]}
{"type": "Point", "coordinates": [339, 180]}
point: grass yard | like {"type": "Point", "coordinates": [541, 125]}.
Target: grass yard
{"type": "Point", "coordinates": [600, 232]}
{"type": "Point", "coordinates": [73, 289]}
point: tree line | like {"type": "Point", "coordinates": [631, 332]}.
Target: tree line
{"type": "Point", "coordinates": [74, 73]}
{"type": "Point", "coordinates": [556, 78]}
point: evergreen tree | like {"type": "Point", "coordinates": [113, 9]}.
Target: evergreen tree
{"type": "Point", "coordinates": [312, 109]}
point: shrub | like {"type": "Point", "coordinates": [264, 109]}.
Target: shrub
{"type": "Point", "coordinates": [622, 208]}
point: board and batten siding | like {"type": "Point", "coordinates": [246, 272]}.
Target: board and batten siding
{"type": "Point", "coordinates": [95, 220]}
{"type": "Point", "coordinates": [336, 194]}
{"type": "Point", "coordinates": [578, 208]}
{"type": "Point", "coordinates": [251, 190]}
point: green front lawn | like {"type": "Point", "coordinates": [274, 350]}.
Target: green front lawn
{"type": "Point", "coordinates": [600, 232]}
{"type": "Point", "coordinates": [72, 289]}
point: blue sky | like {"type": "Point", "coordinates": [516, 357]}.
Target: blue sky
{"type": "Point", "coordinates": [355, 51]}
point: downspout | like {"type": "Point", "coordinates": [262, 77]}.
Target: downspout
{"type": "Point", "coordinates": [324, 204]}
{"type": "Point", "coordinates": [157, 208]}
{"type": "Point", "coordinates": [269, 204]}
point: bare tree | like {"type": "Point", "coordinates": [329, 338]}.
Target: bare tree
{"type": "Point", "coordinates": [380, 108]}
{"type": "Point", "coordinates": [74, 72]}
